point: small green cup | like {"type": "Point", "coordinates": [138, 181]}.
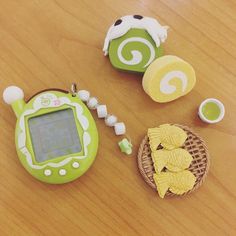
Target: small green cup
{"type": "Point", "coordinates": [211, 111]}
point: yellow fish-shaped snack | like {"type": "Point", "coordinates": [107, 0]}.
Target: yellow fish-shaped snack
{"type": "Point", "coordinates": [174, 160]}
{"type": "Point", "coordinates": [169, 136]}
{"type": "Point", "coordinates": [176, 182]}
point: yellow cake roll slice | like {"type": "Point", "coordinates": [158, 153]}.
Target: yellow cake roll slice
{"type": "Point", "coordinates": [168, 78]}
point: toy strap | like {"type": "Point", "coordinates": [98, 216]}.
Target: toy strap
{"type": "Point", "coordinates": [110, 120]}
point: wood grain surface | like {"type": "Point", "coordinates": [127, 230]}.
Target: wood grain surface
{"type": "Point", "coordinates": [46, 44]}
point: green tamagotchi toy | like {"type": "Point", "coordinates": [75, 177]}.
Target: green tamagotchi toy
{"type": "Point", "coordinates": [56, 136]}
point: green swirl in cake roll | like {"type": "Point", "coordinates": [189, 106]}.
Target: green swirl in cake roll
{"type": "Point", "coordinates": [133, 42]}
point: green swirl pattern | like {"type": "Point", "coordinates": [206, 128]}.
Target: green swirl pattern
{"type": "Point", "coordinates": [134, 51]}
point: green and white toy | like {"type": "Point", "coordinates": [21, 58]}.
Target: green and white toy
{"type": "Point", "coordinates": [56, 136]}
{"type": "Point", "coordinates": [134, 42]}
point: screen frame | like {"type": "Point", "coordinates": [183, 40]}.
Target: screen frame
{"type": "Point", "coordinates": [48, 111]}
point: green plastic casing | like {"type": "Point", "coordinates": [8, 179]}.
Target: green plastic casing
{"type": "Point", "coordinates": [62, 169]}
{"type": "Point", "coordinates": [134, 51]}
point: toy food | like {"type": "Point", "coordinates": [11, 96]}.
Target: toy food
{"type": "Point", "coordinates": [171, 157]}
{"type": "Point", "coordinates": [134, 41]}
{"type": "Point", "coordinates": [168, 78]}
{"type": "Point", "coordinates": [169, 136]}
{"type": "Point", "coordinates": [211, 111]}
{"type": "Point", "coordinates": [176, 182]}
{"type": "Point", "coordinates": [199, 166]}
{"type": "Point", "coordinates": [174, 160]}
{"type": "Point", "coordinates": [56, 136]}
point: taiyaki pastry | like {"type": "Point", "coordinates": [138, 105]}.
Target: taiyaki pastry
{"type": "Point", "coordinates": [174, 160]}
{"type": "Point", "coordinates": [177, 182]}
{"type": "Point", "coordinates": [169, 136]}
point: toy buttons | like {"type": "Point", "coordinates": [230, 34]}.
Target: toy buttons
{"type": "Point", "coordinates": [135, 43]}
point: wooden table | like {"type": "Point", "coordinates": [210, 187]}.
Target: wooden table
{"type": "Point", "coordinates": [47, 44]}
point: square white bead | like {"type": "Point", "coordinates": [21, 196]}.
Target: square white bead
{"type": "Point", "coordinates": [120, 128]}
{"type": "Point", "coordinates": [102, 111]}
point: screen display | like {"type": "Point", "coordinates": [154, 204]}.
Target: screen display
{"type": "Point", "coordinates": [54, 134]}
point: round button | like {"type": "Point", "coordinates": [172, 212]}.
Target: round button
{"type": "Point", "coordinates": [62, 172]}
{"type": "Point", "coordinates": [75, 164]}
{"type": "Point", "coordinates": [47, 172]}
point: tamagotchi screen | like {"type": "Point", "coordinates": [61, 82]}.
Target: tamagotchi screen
{"type": "Point", "coordinates": [54, 135]}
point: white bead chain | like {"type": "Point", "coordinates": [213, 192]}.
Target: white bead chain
{"type": "Point", "coordinates": [110, 120]}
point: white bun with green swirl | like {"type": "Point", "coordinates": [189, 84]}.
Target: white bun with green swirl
{"type": "Point", "coordinates": [133, 42]}
{"type": "Point", "coordinates": [168, 78]}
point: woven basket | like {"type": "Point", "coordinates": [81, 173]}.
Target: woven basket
{"type": "Point", "coordinates": [194, 145]}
